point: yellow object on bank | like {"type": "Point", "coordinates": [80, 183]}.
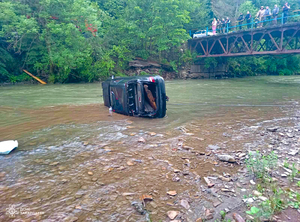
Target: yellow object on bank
{"type": "Point", "coordinates": [41, 81]}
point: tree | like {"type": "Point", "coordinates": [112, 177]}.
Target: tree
{"type": "Point", "coordinates": [226, 8]}
{"type": "Point", "coordinates": [89, 40]}
{"type": "Point", "coordinates": [56, 38]}
{"type": "Point", "coordinates": [248, 6]}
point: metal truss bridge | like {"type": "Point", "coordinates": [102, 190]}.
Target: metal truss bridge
{"type": "Point", "coordinates": [270, 40]}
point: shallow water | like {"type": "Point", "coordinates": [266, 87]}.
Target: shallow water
{"type": "Point", "coordinates": [64, 132]}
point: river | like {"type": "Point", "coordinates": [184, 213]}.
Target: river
{"type": "Point", "coordinates": [75, 162]}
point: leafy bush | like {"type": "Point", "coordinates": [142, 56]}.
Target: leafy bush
{"type": "Point", "coordinates": [266, 209]}
{"type": "Point", "coordinates": [5, 61]}
{"type": "Point", "coordinates": [261, 165]}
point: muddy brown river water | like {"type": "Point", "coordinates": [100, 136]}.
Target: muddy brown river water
{"type": "Point", "coordinates": [77, 163]}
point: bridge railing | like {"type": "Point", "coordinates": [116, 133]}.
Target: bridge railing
{"type": "Point", "coordinates": [253, 25]}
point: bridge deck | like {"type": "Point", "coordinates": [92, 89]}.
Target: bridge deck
{"type": "Point", "coordinates": [283, 39]}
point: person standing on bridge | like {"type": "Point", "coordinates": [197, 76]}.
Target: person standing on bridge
{"type": "Point", "coordinates": [285, 10]}
{"type": "Point", "coordinates": [275, 14]}
{"type": "Point", "coordinates": [227, 23]}
{"type": "Point", "coordinates": [219, 25]}
{"type": "Point", "coordinates": [256, 21]}
{"type": "Point", "coordinates": [214, 26]}
{"type": "Point", "coordinates": [267, 15]}
{"type": "Point", "coordinates": [260, 15]}
{"type": "Point", "coordinates": [223, 25]}
{"type": "Point", "coordinates": [248, 19]}
{"type": "Point", "coordinates": [240, 20]}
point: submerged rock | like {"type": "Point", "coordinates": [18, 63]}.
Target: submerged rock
{"type": "Point", "coordinates": [54, 164]}
{"type": "Point", "coordinates": [185, 204]}
{"type": "Point", "coordinates": [293, 152]}
{"type": "Point", "coordinates": [172, 214]}
{"type": "Point", "coordinates": [226, 158]}
{"type": "Point", "coordinates": [273, 129]}
{"type": "Point", "coordinates": [139, 207]}
{"type": "Point", "coordinates": [172, 193]}
{"type": "Point", "coordinates": [175, 179]}
{"type": "Point", "coordinates": [152, 133]}
{"type": "Point", "coordinates": [141, 140]}
{"type": "Point", "coordinates": [70, 219]}
{"type": "Point", "coordinates": [224, 178]}
{"type": "Point", "coordinates": [209, 214]}
{"type": "Point", "coordinates": [214, 147]}
{"type": "Point", "coordinates": [209, 183]}
{"type": "Point", "coordinates": [216, 203]}
{"type": "Point", "coordinates": [130, 163]}
{"type": "Point", "coordinates": [128, 194]}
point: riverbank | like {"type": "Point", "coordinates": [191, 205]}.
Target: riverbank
{"type": "Point", "coordinates": [76, 163]}
{"type": "Point", "coordinates": [140, 174]}
{"type": "Point", "coordinates": [265, 191]}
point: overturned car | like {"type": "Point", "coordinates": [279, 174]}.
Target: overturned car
{"type": "Point", "coordinates": [143, 96]}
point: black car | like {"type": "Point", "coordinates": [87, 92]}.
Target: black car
{"type": "Point", "coordinates": [143, 96]}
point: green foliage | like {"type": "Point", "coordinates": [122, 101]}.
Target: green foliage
{"type": "Point", "coordinates": [253, 211]}
{"type": "Point", "coordinates": [286, 164]}
{"type": "Point", "coordinates": [248, 6]}
{"type": "Point", "coordinates": [143, 73]}
{"type": "Point", "coordinates": [266, 209]}
{"type": "Point", "coordinates": [294, 199]}
{"type": "Point", "coordinates": [260, 188]}
{"type": "Point", "coordinates": [210, 63]}
{"type": "Point", "coordinates": [293, 3]}
{"type": "Point", "coordinates": [5, 58]}
{"type": "Point", "coordinates": [86, 40]}
{"type": "Point", "coordinates": [270, 65]}
{"type": "Point", "coordinates": [294, 173]}
{"type": "Point", "coordinates": [54, 40]}
{"type": "Point", "coordinates": [260, 165]}
{"type": "Point", "coordinates": [278, 199]}
{"type": "Point", "coordinates": [89, 40]}
{"type": "Point", "coordinates": [294, 170]}
{"type": "Point", "coordinates": [223, 214]}
{"type": "Point", "coordinates": [199, 14]}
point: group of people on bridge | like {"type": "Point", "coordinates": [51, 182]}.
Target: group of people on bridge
{"type": "Point", "coordinates": [263, 17]}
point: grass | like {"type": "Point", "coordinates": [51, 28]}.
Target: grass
{"type": "Point", "coordinates": [223, 219]}
{"type": "Point", "coordinates": [261, 166]}
{"type": "Point", "coordinates": [266, 209]}
{"type": "Point", "coordinates": [286, 164]}
{"type": "Point", "coordinates": [294, 173]}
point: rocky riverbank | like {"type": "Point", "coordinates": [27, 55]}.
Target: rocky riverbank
{"type": "Point", "coordinates": [196, 172]}
{"type": "Point", "coordinates": [233, 186]}
{"type": "Point", "coordinates": [188, 71]}
{"type": "Point", "coordinates": [273, 196]}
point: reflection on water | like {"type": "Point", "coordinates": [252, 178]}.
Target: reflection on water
{"type": "Point", "coordinates": [76, 161]}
